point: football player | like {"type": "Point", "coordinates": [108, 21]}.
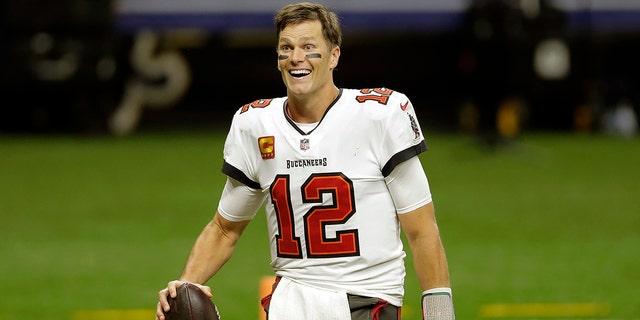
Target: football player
{"type": "Point", "coordinates": [338, 172]}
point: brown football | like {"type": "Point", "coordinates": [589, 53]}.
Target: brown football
{"type": "Point", "coordinates": [191, 304]}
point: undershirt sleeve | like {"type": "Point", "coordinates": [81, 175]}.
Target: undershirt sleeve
{"type": "Point", "coordinates": [409, 186]}
{"type": "Point", "coordinates": [239, 202]}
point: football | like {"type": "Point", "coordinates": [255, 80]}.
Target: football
{"type": "Point", "coordinates": [191, 304]}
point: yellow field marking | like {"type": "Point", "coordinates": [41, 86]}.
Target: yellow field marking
{"type": "Point", "coordinates": [130, 314]}
{"type": "Point", "coordinates": [550, 310]}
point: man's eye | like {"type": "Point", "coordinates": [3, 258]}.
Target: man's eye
{"type": "Point", "coordinates": [285, 48]}
{"type": "Point", "coordinates": [309, 47]}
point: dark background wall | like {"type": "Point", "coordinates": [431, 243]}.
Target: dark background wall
{"type": "Point", "coordinates": [66, 65]}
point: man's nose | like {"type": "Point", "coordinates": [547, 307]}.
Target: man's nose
{"type": "Point", "coordinates": [298, 55]}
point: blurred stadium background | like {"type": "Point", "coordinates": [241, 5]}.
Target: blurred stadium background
{"type": "Point", "coordinates": [94, 225]}
{"type": "Point", "coordinates": [71, 65]}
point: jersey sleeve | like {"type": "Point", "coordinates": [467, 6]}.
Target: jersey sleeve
{"type": "Point", "coordinates": [402, 136]}
{"type": "Point", "coordinates": [238, 147]}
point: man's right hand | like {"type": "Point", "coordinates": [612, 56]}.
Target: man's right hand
{"type": "Point", "coordinates": [171, 291]}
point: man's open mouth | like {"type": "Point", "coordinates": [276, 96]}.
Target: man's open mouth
{"type": "Point", "coordinates": [298, 73]}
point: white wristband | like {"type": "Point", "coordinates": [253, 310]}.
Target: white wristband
{"type": "Point", "coordinates": [437, 304]}
{"type": "Point", "coordinates": [438, 291]}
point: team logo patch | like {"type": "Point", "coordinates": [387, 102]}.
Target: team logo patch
{"type": "Point", "coordinates": [304, 144]}
{"type": "Point", "coordinates": [414, 126]}
{"type": "Point", "coordinates": [267, 147]}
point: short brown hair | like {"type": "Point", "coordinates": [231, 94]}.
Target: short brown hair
{"type": "Point", "coordinates": [305, 11]}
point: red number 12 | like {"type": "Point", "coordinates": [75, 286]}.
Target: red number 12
{"type": "Point", "coordinates": [318, 244]}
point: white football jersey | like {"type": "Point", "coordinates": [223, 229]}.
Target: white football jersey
{"type": "Point", "coordinates": [332, 222]}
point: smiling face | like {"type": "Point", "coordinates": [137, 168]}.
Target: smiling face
{"type": "Point", "coordinates": [306, 59]}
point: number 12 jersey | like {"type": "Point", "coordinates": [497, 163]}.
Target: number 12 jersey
{"type": "Point", "coordinates": [331, 220]}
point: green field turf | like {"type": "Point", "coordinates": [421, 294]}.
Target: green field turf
{"type": "Point", "coordinates": [92, 225]}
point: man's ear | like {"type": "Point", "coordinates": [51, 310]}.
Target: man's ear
{"type": "Point", "coordinates": [335, 56]}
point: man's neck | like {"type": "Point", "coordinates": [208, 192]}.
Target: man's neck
{"type": "Point", "coordinates": [310, 109]}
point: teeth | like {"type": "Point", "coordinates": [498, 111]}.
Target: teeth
{"type": "Point", "coordinates": [300, 72]}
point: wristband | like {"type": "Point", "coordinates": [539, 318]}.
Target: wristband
{"type": "Point", "coordinates": [437, 304]}
{"type": "Point", "coordinates": [438, 291]}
